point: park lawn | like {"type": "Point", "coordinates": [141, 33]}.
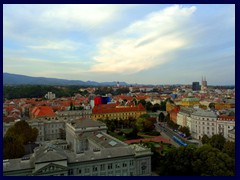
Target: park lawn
{"type": "Point", "coordinates": [121, 138]}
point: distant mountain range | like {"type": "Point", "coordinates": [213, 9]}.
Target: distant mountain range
{"type": "Point", "coordinates": [17, 79]}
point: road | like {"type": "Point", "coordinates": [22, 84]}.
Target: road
{"type": "Point", "coordinates": [166, 133]}
{"type": "Point", "coordinates": [169, 133]}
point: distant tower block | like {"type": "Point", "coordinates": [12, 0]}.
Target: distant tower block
{"type": "Point", "coordinates": [118, 84]}
{"type": "Point", "coordinates": [204, 84]}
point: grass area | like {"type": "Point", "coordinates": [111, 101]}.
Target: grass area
{"type": "Point", "coordinates": [126, 131]}
{"type": "Point", "coordinates": [121, 138]}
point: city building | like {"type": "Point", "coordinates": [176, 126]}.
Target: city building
{"type": "Point", "coordinates": [114, 111]}
{"type": "Point", "coordinates": [203, 122]}
{"type": "Point", "coordinates": [49, 128]}
{"type": "Point", "coordinates": [196, 86]}
{"type": "Point", "coordinates": [183, 117]}
{"type": "Point", "coordinates": [231, 135]}
{"type": "Point", "coordinates": [190, 101]}
{"type": "Point", "coordinates": [87, 151]}
{"type": "Point", "coordinates": [50, 95]}
{"type": "Point", "coordinates": [173, 114]}
{"type": "Point", "coordinates": [42, 111]}
{"type": "Point", "coordinates": [75, 114]}
{"type": "Point", "coordinates": [204, 84]}
{"type": "Point", "coordinates": [209, 122]}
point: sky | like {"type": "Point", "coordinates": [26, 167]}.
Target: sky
{"type": "Point", "coordinates": [143, 44]}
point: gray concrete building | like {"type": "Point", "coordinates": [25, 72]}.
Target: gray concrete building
{"type": "Point", "coordinates": [87, 151]}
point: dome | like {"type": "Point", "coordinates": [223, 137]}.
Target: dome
{"type": "Point", "coordinates": [190, 99]}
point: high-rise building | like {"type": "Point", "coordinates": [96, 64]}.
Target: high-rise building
{"type": "Point", "coordinates": [204, 84]}
{"type": "Point", "coordinates": [195, 86]}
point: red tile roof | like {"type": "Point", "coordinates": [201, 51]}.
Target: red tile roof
{"type": "Point", "coordinates": [112, 108]}
{"type": "Point", "coordinates": [42, 111]}
{"type": "Point", "coordinates": [227, 118]}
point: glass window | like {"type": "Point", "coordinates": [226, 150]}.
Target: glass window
{"type": "Point", "coordinates": [102, 167]}
{"type": "Point", "coordinates": [87, 170]}
{"type": "Point", "coordinates": [110, 166]}
{"type": "Point", "coordinates": [94, 168]}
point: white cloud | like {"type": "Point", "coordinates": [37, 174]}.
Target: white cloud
{"type": "Point", "coordinates": [80, 14]}
{"type": "Point", "coordinates": [65, 45]}
{"type": "Point", "coordinates": [146, 43]}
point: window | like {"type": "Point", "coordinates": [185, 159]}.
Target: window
{"type": "Point", "coordinates": [87, 170]}
{"type": "Point", "coordinates": [143, 167]}
{"type": "Point", "coordinates": [70, 172]}
{"type": "Point", "coordinates": [131, 162]}
{"type": "Point", "coordinates": [80, 171]}
{"type": "Point", "coordinates": [102, 167]}
{"type": "Point", "coordinates": [94, 168]}
{"type": "Point", "coordinates": [117, 165]}
{"type": "Point", "coordinates": [124, 164]}
{"type": "Point", "coordinates": [110, 166]}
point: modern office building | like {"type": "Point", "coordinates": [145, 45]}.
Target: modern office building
{"type": "Point", "coordinates": [196, 86]}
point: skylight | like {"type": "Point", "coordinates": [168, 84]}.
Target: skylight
{"type": "Point", "coordinates": [112, 143]}
{"type": "Point", "coordinates": [99, 135]}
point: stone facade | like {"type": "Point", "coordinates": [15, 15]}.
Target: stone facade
{"type": "Point", "coordinates": [87, 151]}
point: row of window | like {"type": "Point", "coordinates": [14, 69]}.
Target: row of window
{"type": "Point", "coordinates": [201, 118]}
{"type": "Point", "coordinates": [103, 167]}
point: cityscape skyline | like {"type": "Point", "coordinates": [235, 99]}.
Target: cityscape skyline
{"type": "Point", "coordinates": [143, 44]}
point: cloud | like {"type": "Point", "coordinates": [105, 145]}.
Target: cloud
{"type": "Point", "coordinates": [56, 45]}
{"type": "Point", "coordinates": [146, 43]}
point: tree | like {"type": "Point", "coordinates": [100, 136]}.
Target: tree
{"type": "Point", "coordinates": [209, 161]}
{"type": "Point", "coordinates": [229, 148]}
{"type": "Point", "coordinates": [211, 105]}
{"type": "Point", "coordinates": [177, 162]}
{"type": "Point", "coordinates": [148, 106]}
{"type": "Point", "coordinates": [185, 130]}
{"type": "Point", "coordinates": [71, 106]}
{"type": "Point", "coordinates": [23, 132]}
{"type": "Point", "coordinates": [161, 117]}
{"type": "Point", "coordinates": [140, 124]}
{"type": "Point", "coordinates": [217, 141]}
{"type": "Point", "coordinates": [155, 107]}
{"type": "Point", "coordinates": [149, 124]}
{"type": "Point", "coordinates": [205, 139]}
{"type": "Point", "coordinates": [142, 101]}
{"type": "Point", "coordinates": [12, 147]}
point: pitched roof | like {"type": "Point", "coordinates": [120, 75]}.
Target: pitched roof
{"type": "Point", "coordinates": [100, 109]}
{"type": "Point", "coordinates": [42, 111]}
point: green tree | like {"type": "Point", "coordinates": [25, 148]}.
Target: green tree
{"type": "Point", "coordinates": [211, 105]}
{"type": "Point", "coordinates": [23, 132]}
{"type": "Point", "coordinates": [177, 162]}
{"type": "Point", "coordinates": [12, 147]}
{"type": "Point", "coordinates": [185, 130]}
{"type": "Point", "coordinates": [205, 139]}
{"type": "Point", "coordinates": [161, 117]}
{"type": "Point", "coordinates": [142, 101]}
{"type": "Point", "coordinates": [149, 106]}
{"type": "Point", "coordinates": [149, 124]}
{"type": "Point", "coordinates": [71, 106]}
{"type": "Point", "coordinates": [155, 107]}
{"type": "Point", "coordinates": [229, 148]}
{"type": "Point", "coordinates": [209, 161]}
{"type": "Point", "coordinates": [217, 141]}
